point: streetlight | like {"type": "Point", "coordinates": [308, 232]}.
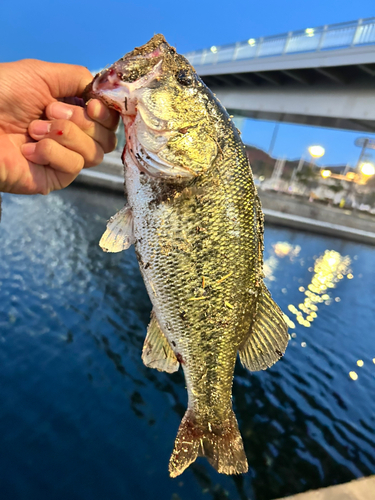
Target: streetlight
{"type": "Point", "coordinates": [367, 169]}
{"type": "Point", "coordinates": [316, 152]}
{"type": "Point", "coordinates": [326, 173]}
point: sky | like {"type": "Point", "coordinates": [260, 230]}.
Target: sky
{"type": "Point", "coordinates": [292, 142]}
{"type": "Point", "coordinates": [95, 33]}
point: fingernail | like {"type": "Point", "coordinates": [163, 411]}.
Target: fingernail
{"type": "Point", "coordinates": [28, 149]}
{"type": "Point", "coordinates": [60, 111]}
{"type": "Point", "coordinates": [40, 128]}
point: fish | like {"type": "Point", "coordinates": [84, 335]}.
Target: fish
{"type": "Point", "coordinates": [195, 219]}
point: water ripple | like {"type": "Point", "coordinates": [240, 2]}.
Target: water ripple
{"type": "Point", "coordinates": [82, 417]}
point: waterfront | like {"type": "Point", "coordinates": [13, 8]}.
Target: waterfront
{"type": "Point", "coordinates": [82, 418]}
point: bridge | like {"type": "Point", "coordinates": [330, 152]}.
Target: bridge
{"type": "Point", "coordinates": [321, 76]}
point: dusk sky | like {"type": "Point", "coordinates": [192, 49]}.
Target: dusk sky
{"type": "Point", "coordinates": [95, 33]}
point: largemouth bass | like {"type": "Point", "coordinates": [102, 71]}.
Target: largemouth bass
{"type": "Point", "coordinates": [196, 221]}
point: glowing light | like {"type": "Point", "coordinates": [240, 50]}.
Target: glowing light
{"type": "Point", "coordinates": [373, 360]}
{"type": "Point", "coordinates": [353, 375]}
{"type": "Point", "coordinates": [309, 31]}
{"type": "Point", "coordinates": [351, 175]}
{"type": "Point", "coordinates": [251, 42]}
{"type": "Point", "coordinates": [316, 151]}
{"type": "Point", "coordinates": [367, 169]}
{"type": "Point", "coordinates": [326, 173]}
{"type": "Point", "coordinates": [349, 276]}
{"type": "Point", "coordinates": [288, 321]}
{"type": "Point", "coordinates": [329, 269]}
{"type": "Point", "coordinates": [360, 362]}
{"type": "Point", "coordinates": [213, 49]}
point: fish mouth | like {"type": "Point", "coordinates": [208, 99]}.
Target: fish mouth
{"type": "Point", "coordinates": [124, 87]}
{"type": "Point", "coordinates": [116, 85]}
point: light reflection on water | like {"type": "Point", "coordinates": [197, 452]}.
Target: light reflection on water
{"type": "Point", "coordinates": [80, 415]}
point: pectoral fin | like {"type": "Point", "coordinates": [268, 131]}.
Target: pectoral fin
{"type": "Point", "coordinates": [268, 337]}
{"type": "Point", "coordinates": [119, 233]}
{"type": "Point", "coordinates": [157, 353]}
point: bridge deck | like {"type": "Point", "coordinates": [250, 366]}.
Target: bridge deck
{"type": "Point", "coordinates": [322, 76]}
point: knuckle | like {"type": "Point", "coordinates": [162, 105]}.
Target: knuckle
{"type": "Point", "coordinates": [66, 126]}
{"type": "Point", "coordinates": [90, 127]}
{"type": "Point", "coordinates": [107, 140]}
{"type": "Point", "coordinates": [79, 164]}
{"type": "Point", "coordinates": [98, 157]}
{"type": "Point", "coordinates": [111, 142]}
{"type": "Point", "coordinates": [45, 148]}
{"type": "Point", "coordinates": [59, 129]}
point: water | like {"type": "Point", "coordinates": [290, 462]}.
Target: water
{"type": "Point", "coordinates": [82, 418]}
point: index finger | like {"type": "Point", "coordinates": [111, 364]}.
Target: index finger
{"type": "Point", "coordinates": [66, 79]}
{"type": "Point", "coordinates": [99, 112]}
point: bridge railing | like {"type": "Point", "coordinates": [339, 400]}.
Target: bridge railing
{"type": "Point", "coordinates": [335, 36]}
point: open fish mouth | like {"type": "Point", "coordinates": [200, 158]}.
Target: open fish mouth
{"type": "Point", "coordinates": [142, 86]}
{"type": "Point", "coordinates": [116, 85]}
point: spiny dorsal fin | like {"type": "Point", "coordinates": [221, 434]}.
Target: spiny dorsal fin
{"type": "Point", "coordinates": [157, 353]}
{"type": "Point", "coordinates": [268, 337]}
{"type": "Point", "coordinates": [119, 233]}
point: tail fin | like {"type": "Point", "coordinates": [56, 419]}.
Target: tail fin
{"type": "Point", "coordinates": [220, 444]}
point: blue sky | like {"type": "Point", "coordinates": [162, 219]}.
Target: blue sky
{"type": "Point", "coordinates": [94, 33]}
{"type": "Point", "coordinates": [292, 141]}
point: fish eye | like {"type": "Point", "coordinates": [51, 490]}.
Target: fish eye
{"type": "Point", "coordinates": [184, 77]}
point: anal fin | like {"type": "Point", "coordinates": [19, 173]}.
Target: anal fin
{"type": "Point", "coordinates": [157, 353]}
{"type": "Point", "coordinates": [119, 233]}
{"type": "Point", "coordinates": [268, 337]}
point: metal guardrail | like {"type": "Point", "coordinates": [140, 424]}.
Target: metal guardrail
{"type": "Point", "coordinates": [335, 36]}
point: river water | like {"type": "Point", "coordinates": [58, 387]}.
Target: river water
{"type": "Point", "coordinates": [82, 418]}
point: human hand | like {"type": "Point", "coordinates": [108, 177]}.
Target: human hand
{"type": "Point", "coordinates": [44, 143]}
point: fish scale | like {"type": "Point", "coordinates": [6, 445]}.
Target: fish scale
{"type": "Point", "coordinates": [195, 220]}
{"type": "Point", "coordinates": [187, 268]}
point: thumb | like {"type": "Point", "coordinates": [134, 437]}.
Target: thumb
{"type": "Point", "coordinates": [67, 80]}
